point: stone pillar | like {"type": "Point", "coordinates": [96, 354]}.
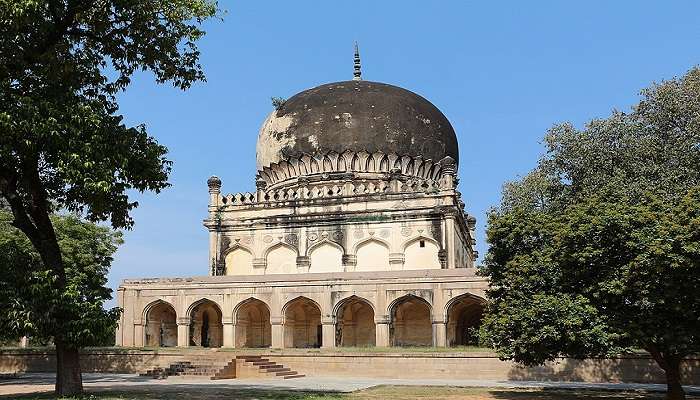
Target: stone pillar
{"type": "Point", "coordinates": [303, 264]}
{"type": "Point", "coordinates": [260, 186]}
{"type": "Point", "coordinates": [183, 332]}
{"type": "Point", "coordinates": [396, 261]}
{"type": "Point", "coordinates": [228, 334]}
{"type": "Point", "coordinates": [238, 334]}
{"type": "Point", "coordinates": [382, 331]}
{"type": "Point", "coordinates": [451, 242]}
{"type": "Point", "coordinates": [138, 334]}
{"type": "Point", "coordinates": [439, 334]}
{"type": "Point", "coordinates": [449, 173]}
{"type": "Point", "coordinates": [214, 184]}
{"type": "Point", "coordinates": [119, 340]}
{"type": "Point", "coordinates": [328, 333]}
{"type": "Point", "coordinates": [277, 333]}
{"type": "Point", "coordinates": [349, 262]}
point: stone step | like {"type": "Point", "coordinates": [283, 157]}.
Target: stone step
{"type": "Point", "coordinates": [293, 376]}
{"type": "Point", "coordinates": [286, 373]}
{"type": "Point", "coordinates": [271, 365]}
{"type": "Point", "coordinates": [281, 368]}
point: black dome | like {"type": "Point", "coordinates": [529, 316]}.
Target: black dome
{"type": "Point", "coordinates": [356, 115]}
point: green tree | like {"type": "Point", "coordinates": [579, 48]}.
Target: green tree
{"type": "Point", "coordinates": [29, 300]}
{"type": "Point", "coordinates": [63, 145]}
{"type": "Point", "coordinates": [597, 250]}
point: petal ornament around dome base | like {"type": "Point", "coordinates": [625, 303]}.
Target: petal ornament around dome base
{"type": "Point", "coordinates": [349, 165]}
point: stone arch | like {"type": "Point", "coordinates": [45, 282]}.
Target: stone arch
{"type": "Point", "coordinates": [354, 326]}
{"type": "Point", "coordinates": [372, 254]}
{"type": "Point", "coordinates": [281, 258]}
{"type": "Point", "coordinates": [411, 322]}
{"type": "Point", "coordinates": [206, 328]}
{"type": "Point", "coordinates": [160, 320]}
{"type": "Point", "coordinates": [302, 323]}
{"type": "Point", "coordinates": [463, 316]}
{"type": "Point", "coordinates": [238, 260]}
{"type": "Point", "coordinates": [326, 256]}
{"type": "Point", "coordinates": [421, 253]}
{"type": "Point", "coordinates": [252, 328]}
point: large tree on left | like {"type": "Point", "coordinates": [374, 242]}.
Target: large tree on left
{"type": "Point", "coordinates": [63, 145]}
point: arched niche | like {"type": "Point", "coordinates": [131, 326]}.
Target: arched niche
{"type": "Point", "coordinates": [464, 315]}
{"type": "Point", "coordinates": [421, 253]}
{"type": "Point", "coordinates": [281, 259]}
{"type": "Point", "coordinates": [302, 324]}
{"type": "Point", "coordinates": [253, 328]}
{"type": "Point", "coordinates": [161, 325]}
{"type": "Point", "coordinates": [355, 323]}
{"type": "Point", "coordinates": [239, 261]}
{"type": "Point", "coordinates": [206, 328]}
{"type": "Point", "coordinates": [326, 257]}
{"type": "Point", "coordinates": [411, 322]}
{"type": "Point", "coordinates": [372, 255]}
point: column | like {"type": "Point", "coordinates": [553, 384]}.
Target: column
{"type": "Point", "coordinates": [228, 334]}
{"type": "Point", "coordinates": [328, 333]}
{"type": "Point", "coordinates": [119, 341]}
{"type": "Point", "coordinates": [183, 332]}
{"type": "Point", "coordinates": [451, 240]}
{"type": "Point", "coordinates": [439, 334]}
{"type": "Point", "coordinates": [277, 333]}
{"type": "Point", "coordinates": [239, 334]}
{"type": "Point", "coordinates": [382, 331]}
{"type": "Point", "coordinates": [138, 334]}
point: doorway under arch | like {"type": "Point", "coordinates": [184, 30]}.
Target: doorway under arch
{"type": "Point", "coordinates": [161, 325]}
{"type": "Point", "coordinates": [253, 328]}
{"type": "Point", "coordinates": [206, 329]}
{"type": "Point", "coordinates": [411, 323]}
{"type": "Point", "coordinates": [464, 316]}
{"type": "Point", "coordinates": [302, 324]}
{"type": "Point", "coordinates": [355, 324]}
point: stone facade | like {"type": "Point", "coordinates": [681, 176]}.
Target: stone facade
{"type": "Point", "coordinates": [421, 307]}
{"type": "Point", "coordinates": [354, 244]}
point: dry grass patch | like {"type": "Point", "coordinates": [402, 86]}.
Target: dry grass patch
{"type": "Point", "coordinates": [376, 393]}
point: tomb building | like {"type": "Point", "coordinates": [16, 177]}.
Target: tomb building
{"type": "Point", "coordinates": [356, 235]}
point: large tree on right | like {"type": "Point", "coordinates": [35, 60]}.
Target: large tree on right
{"type": "Point", "coordinates": [597, 250]}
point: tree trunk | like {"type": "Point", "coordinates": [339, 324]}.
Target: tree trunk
{"type": "Point", "coordinates": [674, 389]}
{"type": "Point", "coordinates": [671, 364]}
{"type": "Point", "coordinates": [69, 381]}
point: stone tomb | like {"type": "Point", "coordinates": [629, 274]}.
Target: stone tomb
{"type": "Point", "coordinates": [356, 235]}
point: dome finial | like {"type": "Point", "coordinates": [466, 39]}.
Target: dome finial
{"type": "Point", "coordinates": [357, 75]}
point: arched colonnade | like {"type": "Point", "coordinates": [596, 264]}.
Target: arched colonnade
{"type": "Point", "coordinates": [352, 321]}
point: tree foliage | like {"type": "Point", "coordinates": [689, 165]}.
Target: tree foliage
{"type": "Point", "coordinates": [63, 144]}
{"type": "Point", "coordinates": [31, 304]}
{"type": "Point", "coordinates": [597, 250]}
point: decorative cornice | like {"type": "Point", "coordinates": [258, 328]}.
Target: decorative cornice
{"type": "Point", "coordinates": [351, 161]}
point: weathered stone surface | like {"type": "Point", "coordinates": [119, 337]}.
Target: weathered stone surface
{"type": "Point", "coordinates": [356, 115]}
{"type": "Point", "coordinates": [356, 235]}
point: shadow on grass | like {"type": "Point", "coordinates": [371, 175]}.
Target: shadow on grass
{"type": "Point", "coordinates": [376, 393]}
{"type": "Point", "coordinates": [189, 394]}
{"type": "Point", "coordinates": [575, 394]}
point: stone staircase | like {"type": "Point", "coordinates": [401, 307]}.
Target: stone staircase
{"type": "Point", "coordinates": [185, 368]}
{"type": "Point", "coordinates": [239, 367]}
{"type": "Point", "coordinates": [258, 366]}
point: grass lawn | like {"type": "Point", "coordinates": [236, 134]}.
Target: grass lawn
{"type": "Point", "coordinates": [377, 393]}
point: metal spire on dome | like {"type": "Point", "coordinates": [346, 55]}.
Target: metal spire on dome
{"type": "Point", "coordinates": [357, 75]}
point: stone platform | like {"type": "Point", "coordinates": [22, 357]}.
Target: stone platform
{"type": "Point", "coordinates": [390, 364]}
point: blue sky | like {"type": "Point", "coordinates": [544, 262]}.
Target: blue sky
{"type": "Point", "coordinates": [502, 72]}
